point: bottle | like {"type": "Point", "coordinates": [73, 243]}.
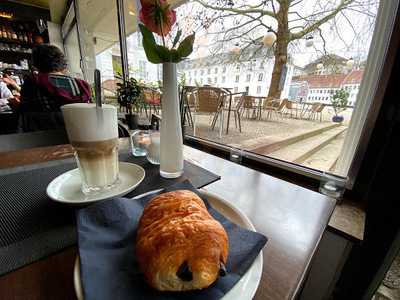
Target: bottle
{"type": "Point", "coordinates": [9, 34]}
{"type": "Point", "coordinates": [30, 38]}
{"type": "Point", "coordinates": [14, 35]}
{"type": "Point", "coordinates": [20, 32]}
{"type": "Point", "coordinates": [4, 32]}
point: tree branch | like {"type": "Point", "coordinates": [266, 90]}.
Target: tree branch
{"type": "Point", "coordinates": [249, 10]}
{"type": "Point", "coordinates": [298, 35]}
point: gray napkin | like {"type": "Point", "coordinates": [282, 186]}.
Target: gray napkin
{"type": "Point", "coordinates": [109, 269]}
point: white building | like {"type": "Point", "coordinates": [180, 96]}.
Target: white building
{"type": "Point", "coordinates": [320, 88]}
{"type": "Point", "coordinates": [252, 75]}
{"type": "Point", "coordinates": [139, 66]}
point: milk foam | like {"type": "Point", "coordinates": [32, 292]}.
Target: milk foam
{"type": "Point", "coordinates": [87, 123]}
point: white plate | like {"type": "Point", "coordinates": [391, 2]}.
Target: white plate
{"type": "Point", "coordinates": [66, 188]}
{"type": "Point", "coordinates": [246, 286]}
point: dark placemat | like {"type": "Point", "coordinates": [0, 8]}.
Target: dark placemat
{"type": "Point", "coordinates": [109, 268]}
{"type": "Point", "coordinates": [33, 227]}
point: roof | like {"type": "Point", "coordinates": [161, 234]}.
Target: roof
{"type": "Point", "coordinates": [321, 81]}
{"type": "Point", "coordinates": [329, 59]}
{"type": "Point", "coordinates": [246, 55]}
{"type": "Point", "coordinates": [331, 80]}
{"type": "Point", "coordinates": [354, 77]}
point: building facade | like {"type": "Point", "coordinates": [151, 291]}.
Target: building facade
{"type": "Point", "coordinates": [252, 75]}
{"type": "Point", "coordinates": [320, 88]}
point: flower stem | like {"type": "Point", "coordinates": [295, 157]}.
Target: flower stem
{"type": "Point", "coordinates": [162, 33]}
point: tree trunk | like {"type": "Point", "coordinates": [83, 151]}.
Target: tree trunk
{"type": "Point", "coordinates": [280, 51]}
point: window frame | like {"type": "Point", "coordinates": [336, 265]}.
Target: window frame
{"type": "Point", "coordinates": [298, 173]}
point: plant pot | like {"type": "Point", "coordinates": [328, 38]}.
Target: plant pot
{"type": "Point", "coordinates": [337, 119]}
{"type": "Point", "coordinates": [132, 121]}
{"type": "Point", "coordinates": [171, 147]}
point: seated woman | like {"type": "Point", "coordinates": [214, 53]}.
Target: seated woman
{"type": "Point", "coordinates": [45, 91]}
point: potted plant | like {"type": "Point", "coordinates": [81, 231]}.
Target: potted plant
{"type": "Point", "coordinates": [339, 103]}
{"type": "Point", "coordinates": [129, 96]}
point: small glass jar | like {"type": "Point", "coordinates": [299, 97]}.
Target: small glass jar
{"type": "Point", "coordinates": [153, 149]}
{"type": "Point", "coordinates": [140, 140]}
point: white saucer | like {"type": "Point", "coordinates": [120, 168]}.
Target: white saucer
{"type": "Point", "coordinates": [246, 287]}
{"type": "Point", "coordinates": [66, 188]}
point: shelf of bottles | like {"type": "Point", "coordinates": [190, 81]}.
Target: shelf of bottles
{"type": "Point", "coordinates": [16, 41]}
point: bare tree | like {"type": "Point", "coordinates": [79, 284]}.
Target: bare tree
{"type": "Point", "coordinates": [251, 19]}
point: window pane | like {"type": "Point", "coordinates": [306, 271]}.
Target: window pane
{"type": "Point", "coordinates": [72, 53]}
{"type": "Point", "coordinates": [99, 33]}
{"type": "Point", "coordinates": [299, 88]}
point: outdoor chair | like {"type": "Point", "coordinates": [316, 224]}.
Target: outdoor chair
{"type": "Point", "coordinates": [250, 106]}
{"type": "Point", "coordinates": [273, 106]}
{"type": "Point", "coordinates": [189, 104]}
{"type": "Point", "coordinates": [291, 109]}
{"type": "Point", "coordinates": [151, 100]}
{"type": "Point", "coordinates": [209, 100]}
{"type": "Point", "coordinates": [315, 111]}
{"type": "Point", "coordinates": [236, 108]}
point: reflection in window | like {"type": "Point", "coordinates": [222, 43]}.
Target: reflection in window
{"type": "Point", "coordinates": [142, 69]}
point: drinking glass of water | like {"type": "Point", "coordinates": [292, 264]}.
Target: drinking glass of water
{"type": "Point", "coordinates": [140, 140]}
{"type": "Point", "coordinates": [153, 149]}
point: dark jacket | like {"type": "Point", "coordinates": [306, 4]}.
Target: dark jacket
{"type": "Point", "coordinates": [42, 96]}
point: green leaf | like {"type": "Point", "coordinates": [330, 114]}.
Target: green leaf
{"type": "Point", "coordinates": [150, 45]}
{"type": "Point", "coordinates": [175, 57]}
{"type": "Point", "coordinates": [163, 53]}
{"type": "Point", "coordinates": [147, 34]}
{"type": "Point", "coordinates": [176, 39]}
{"type": "Point", "coordinates": [186, 46]}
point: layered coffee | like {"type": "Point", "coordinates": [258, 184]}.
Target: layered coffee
{"type": "Point", "coordinates": [93, 132]}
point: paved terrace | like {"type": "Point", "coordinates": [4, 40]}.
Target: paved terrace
{"type": "Point", "coordinates": [314, 144]}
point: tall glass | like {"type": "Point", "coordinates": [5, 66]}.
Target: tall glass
{"type": "Point", "coordinates": [93, 132]}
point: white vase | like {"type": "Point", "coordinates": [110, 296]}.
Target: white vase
{"type": "Point", "coordinates": [171, 148]}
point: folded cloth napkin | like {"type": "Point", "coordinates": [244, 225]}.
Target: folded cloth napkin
{"type": "Point", "coordinates": [109, 269]}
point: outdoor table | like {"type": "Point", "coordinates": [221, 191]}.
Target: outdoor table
{"type": "Point", "coordinates": [292, 217]}
{"type": "Point", "coordinates": [258, 109]}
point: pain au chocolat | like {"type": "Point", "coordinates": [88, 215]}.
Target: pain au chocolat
{"type": "Point", "coordinates": [179, 245]}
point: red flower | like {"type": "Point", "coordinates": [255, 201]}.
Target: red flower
{"type": "Point", "coordinates": [157, 16]}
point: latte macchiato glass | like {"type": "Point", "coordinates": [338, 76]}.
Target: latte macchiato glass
{"type": "Point", "coordinates": [93, 132]}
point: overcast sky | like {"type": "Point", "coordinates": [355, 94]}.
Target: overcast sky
{"type": "Point", "coordinates": [350, 37]}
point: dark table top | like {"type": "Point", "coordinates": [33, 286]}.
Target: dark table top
{"type": "Point", "coordinates": [292, 217]}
